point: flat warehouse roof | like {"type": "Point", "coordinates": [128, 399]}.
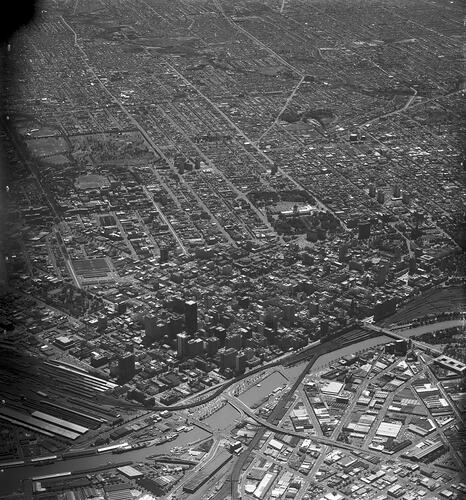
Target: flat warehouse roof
{"type": "Point", "coordinates": [388, 429]}
{"type": "Point", "coordinates": [332, 388]}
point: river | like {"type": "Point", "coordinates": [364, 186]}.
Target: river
{"type": "Point", "coordinates": [435, 327]}
{"type": "Point", "coordinates": [10, 479]}
{"type": "Point", "coordinates": [264, 388]}
{"type": "Point", "coordinates": [222, 418]}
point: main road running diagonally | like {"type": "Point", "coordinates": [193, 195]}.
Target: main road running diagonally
{"type": "Point", "coordinates": [285, 106]}
{"type": "Point", "coordinates": [165, 220]}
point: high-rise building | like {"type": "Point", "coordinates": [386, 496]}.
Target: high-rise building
{"type": "Point", "coordinates": [101, 322]}
{"type": "Point", "coordinates": [406, 198]}
{"type": "Point", "coordinates": [126, 368]}
{"type": "Point", "coordinates": [177, 304]}
{"type": "Point", "coordinates": [271, 318]}
{"type": "Point", "coordinates": [182, 340]}
{"type": "Point", "coordinates": [289, 313]}
{"type": "Point", "coordinates": [372, 191]}
{"type": "Point", "coordinates": [150, 322]}
{"type": "Point", "coordinates": [401, 347]}
{"type": "Point", "coordinates": [221, 333]}
{"type": "Point", "coordinates": [175, 325]}
{"type": "Point", "coordinates": [164, 255]}
{"type": "Point", "coordinates": [190, 316]}
{"type": "Point", "coordinates": [396, 191]}
{"type": "Point", "coordinates": [228, 358]}
{"type": "Point", "coordinates": [240, 363]}
{"type": "Point", "coordinates": [195, 347]}
{"type": "Point", "coordinates": [212, 345]}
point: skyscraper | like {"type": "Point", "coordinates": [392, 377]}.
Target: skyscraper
{"type": "Point", "coordinates": [163, 255]}
{"type": "Point", "coordinates": [182, 342]}
{"type": "Point", "coordinates": [190, 316]}
{"type": "Point", "coordinates": [125, 368]}
{"type": "Point", "coordinates": [212, 345]}
{"type": "Point", "coordinates": [228, 358]}
{"type": "Point", "coordinates": [240, 363]}
{"type": "Point", "coordinates": [195, 347]}
{"type": "Point", "coordinates": [151, 329]}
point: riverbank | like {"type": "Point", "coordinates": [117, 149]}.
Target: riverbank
{"type": "Point", "coordinates": [10, 479]}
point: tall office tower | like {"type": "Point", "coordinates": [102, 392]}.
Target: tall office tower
{"type": "Point", "coordinates": [177, 304]}
{"type": "Point", "coordinates": [396, 191]}
{"type": "Point", "coordinates": [240, 363]}
{"type": "Point", "coordinates": [163, 255]}
{"type": "Point", "coordinates": [401, 347]}
{"type": "Point", "coordinates": [182, 343]}
{"type": "Point", "coordinates": [175, 325]}
{"type": "Point", "coordinates": [289, 311]}
{"type": "Point", "coordinates": [228, 358]}
{"type": "Point", "coordinates": [195, 347]}
{"type": "Point", "coordinates": [190, 316]}
{"type": "Point", "coordinates": [220, 332]}
{"type": "Point", "coordinates": [151, 329]}
{"type": "Point", "coordinates": [372, 191]}
{"type": "Point", "coordinates": [101, 322]}
{"type": "Point", "coordinates": [125, 368]}
{"type": "Point", "coordinates": [364, 229]}
{"type": "Point", "coordinates": [212, 345]}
